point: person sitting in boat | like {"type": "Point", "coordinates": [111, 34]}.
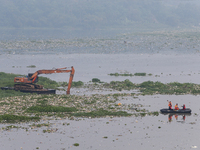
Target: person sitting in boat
{"type": "Point", "coordinates": [170, 105]}
{"type": "Point", "coordinates": [176, 107]}
{"type": "Point", "coordinates": [183, 106]}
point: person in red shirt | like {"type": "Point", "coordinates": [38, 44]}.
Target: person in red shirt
{"type": "Point", "coordinates": [183, 106]}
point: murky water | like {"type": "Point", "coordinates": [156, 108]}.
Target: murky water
{"type": "Point", "coordinates": [168, 62]}
{"type": "Point", "coordinates": [165, 68]}
{"type": "Point", "coordinates": [150, 132]}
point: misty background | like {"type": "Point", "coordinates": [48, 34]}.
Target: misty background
{"type": "Point", "coordinates": [99, 14]}
{"type": "Point", "coordinates": [99, 26]}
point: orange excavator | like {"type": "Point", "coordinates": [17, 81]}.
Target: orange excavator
{"type": "Point", "coordinates": [27, 84]}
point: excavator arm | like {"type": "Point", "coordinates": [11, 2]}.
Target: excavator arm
{"type": "Point", "coordinates": [70, 80]}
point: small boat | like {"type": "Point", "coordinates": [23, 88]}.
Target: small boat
{"type": "Point", "coordinates": [168, 111]}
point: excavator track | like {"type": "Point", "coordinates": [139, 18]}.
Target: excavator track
{"type": "Point", "coordinates": [23, 86]}
{"type": "Point", "coordinates": [33, 88]}
{"type": "Point", "coordinates": [39, 91]}
{"type": "Point", "coordinates": [27, 86]}
{"type": "Point", "coordinates": [30, 88]}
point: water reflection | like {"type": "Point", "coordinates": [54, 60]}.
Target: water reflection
{"type": "Point", "coordinates": [177, 117]}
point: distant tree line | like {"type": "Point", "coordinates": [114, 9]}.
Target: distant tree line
{"type": "Point", "coordinates": [92, 14]}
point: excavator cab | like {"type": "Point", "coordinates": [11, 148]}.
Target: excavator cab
{"type": "Point", "coordinates": [26, 79]}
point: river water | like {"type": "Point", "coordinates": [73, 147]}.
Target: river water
{"type": "Point", "coordinates": [161, 132]}
{"type": "Point", "coordinates": [150, 132]}
{"type": "Point", "coordinates": [164, 68]}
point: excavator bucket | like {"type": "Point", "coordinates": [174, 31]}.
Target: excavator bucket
{"type": "Point", "coordinates": [70, 80]}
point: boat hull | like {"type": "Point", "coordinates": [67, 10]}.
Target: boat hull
{"type": "Point", "coordinates": [173, 111]}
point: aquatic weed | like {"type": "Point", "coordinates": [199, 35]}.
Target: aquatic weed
{"type": "Point", "coordinates": [96, 80]}
{"type": "Point", "coordinates": [31, 66]}
{"type": "Point", "coordinates": [76, 144]}
{"type": "Point", "coordinates": [101, 113]}
{"type": "Point", "coordinates": [15, 118]}
{"type": "Point", "coordinates": [139, 74]}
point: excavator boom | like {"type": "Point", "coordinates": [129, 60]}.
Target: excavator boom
{"type": "Point", "coordinates": [61, 70]}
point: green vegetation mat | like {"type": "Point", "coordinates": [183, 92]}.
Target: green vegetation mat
{"type": "Point", "coordinates": [128, 74]}
{"type": "Point", "coordinates": [7, 79]}
{"type": "Point", "coordinates": [15, 118]}
{"type": "Point", "coordinates": [68, 106]}
{"type": "Point", "coordinates": [147, 87]}
{"type": "Point", "coordinates": [17, 106]}
{"type": "Point", "coordinates": [150, 87]}
{"type": "Point", "coordinates": [101, 113]}
{"type": "Point", "coordinates": [34, 109]}
{"type": "Point", "coordinates": [10, 93]}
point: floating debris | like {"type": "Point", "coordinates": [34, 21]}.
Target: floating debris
{"type": "Point", "coordinates": [193, 146]}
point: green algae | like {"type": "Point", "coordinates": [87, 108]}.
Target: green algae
{"type": "Point", "coordinates": [129, 74]}
{"type": "Point", "coordinates": [150, 87]}
{"type": "Point", "coordinates": [101, 113]}
{"type": "Point", "coordinates": [15, 118]}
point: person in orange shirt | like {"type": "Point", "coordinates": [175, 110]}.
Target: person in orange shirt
{"type": "Point", "coordinates": [170, 105]}
{"type": "Point", "coordinates": [176, 107]}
